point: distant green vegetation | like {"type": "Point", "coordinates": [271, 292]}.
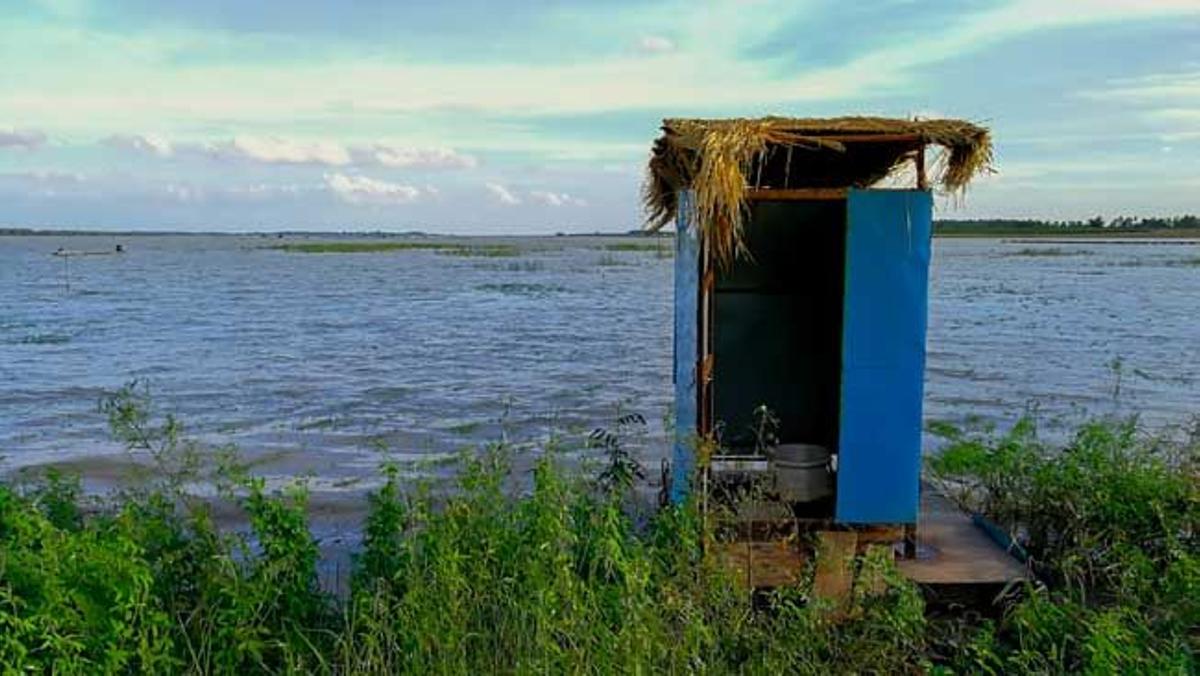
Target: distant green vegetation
{"type": "Point", "coordinates": [524, 266]}
{"type": "Point", "coordinates": [636, 246]}
{"type": "Point", "coordinates": [518, 289]}
{"type": "Point", "coordinates": [482, 250]}
{"type": "Point", "coordinates": [608, 260]}
{"type": "Point", "coordinates": [1045, 252]}
{"type": "Point", "coordinates": [44, 339]}
{"type": "Point", "coordinates": [469, 427]}
{"type": "Point", "coordinates": [564, 576]}
{"type": "Point", "coordinates": [444, 248]}
{"type": "Point", "coordinates": [1177, 226]}
{"type": "Point", "coordinates": [358, 247]}
{"type": "Point", "coordinates": [661, 247]}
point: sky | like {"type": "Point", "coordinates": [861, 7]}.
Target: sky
{"type": "Point", "coordinates": [532, 116]}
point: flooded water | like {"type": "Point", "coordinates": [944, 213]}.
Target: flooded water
{"type": "Point", "coordinates": [310, 361]}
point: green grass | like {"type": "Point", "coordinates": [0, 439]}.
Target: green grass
{"type": "Point", "coordinates": [556, 572]}
{"type": "Point", "coordinates": [1110, 521]}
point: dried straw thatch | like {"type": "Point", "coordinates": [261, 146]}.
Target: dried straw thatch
{"type": "Point", "coordinates": [719, 160]}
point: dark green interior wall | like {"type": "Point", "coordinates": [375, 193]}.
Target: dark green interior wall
{"type": "Point", "coordinates": [777, 324]}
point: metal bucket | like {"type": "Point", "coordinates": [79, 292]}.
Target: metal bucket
{"type": "Point", "coordinates": [802, 472]}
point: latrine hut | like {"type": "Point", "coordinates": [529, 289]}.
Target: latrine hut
{"type": "Point", "coordinates": [801, 274]}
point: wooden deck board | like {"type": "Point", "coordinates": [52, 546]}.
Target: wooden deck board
{"type": "Point", "coordinates": [835, 565]}
{"type": "Point", "coordinates": [953, 550]}
{"type": "Point", "coordinates": [762, 564]}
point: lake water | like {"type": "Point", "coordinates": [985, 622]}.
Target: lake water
{"type": "Point", "coordinates": [309, 361]}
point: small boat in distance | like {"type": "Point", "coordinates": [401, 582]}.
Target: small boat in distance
{"type": "Point", "coordinates": [67, 253]}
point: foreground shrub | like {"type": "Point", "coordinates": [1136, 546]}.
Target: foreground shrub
{"type": "Point", "coordinates": [557, 578]}
{"type": "Point", "coordinates": [1109, 521]}
{"type": "Point", "coordinates": [555, 572]}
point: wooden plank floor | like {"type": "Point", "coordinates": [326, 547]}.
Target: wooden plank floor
{"type": "Point", "coordinates": [953, 550]}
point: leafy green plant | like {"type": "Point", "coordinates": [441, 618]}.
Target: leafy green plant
{"type": "Point", "coordinates": [549, 570]}
{"type": "Point", "coordinates": [766, 429]}
{"type": "Point", "coordinates": [1110, 520]}
{"type": "Point", "coordinates": [620, 470]}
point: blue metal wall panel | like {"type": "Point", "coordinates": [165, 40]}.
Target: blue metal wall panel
{"type": "Point", "coordinates": [687, 349]}
{"type": "Point", "coordinates": [883, 355]}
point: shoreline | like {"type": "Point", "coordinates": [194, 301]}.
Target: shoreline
{"type": "Point", "coordinates": [1180, 235]}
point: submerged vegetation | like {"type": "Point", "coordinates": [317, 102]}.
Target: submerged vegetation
{"type": "Point", "coordinates": [637, 246]}
{"type": "Point", "coordinates": [556, 572]}
{"type": "Point", "coordinates": [517, 289]}
{"type": "Point", "coordinates": [357, 247]}
{"type": "Point", "coordinates": [1043, 252]}
{"type": "Point", "coordinates": [445, 248]}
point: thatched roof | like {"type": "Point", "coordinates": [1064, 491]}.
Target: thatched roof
{"type": "Point", "coordinates": [721, 159]}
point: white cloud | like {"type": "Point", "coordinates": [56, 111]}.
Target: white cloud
{"type": "Point", "coordinates": [26, 139]}
{"type": "Point", "coordinates": [45, 183]}
{"type": "Point", "coordinates": [1172, 88]}
{"type": "Point", "coordinates": [555, 199]}
{"type": "Point", "coordinates": [46, 176]}
{"type": "Point", "coordinates": [422, 158]}
{"type": "Point", "coordinates": [1168, 101]}
{"type": "Point", "coordinates": [142, 143]}
{"type": "Point", "coordinates": [277, 150]}
{"type": "Point", "coordinates": [655, 44]}
{"type": "Point", "coordinates": [503, 194]}
{"type": "Point", "coordinates": [268, 191]}
{"type": "Point", "coordinates": [364, 190]}
{"type": "Point", "coordinates": [274, 150]}
{"type": "Point", "coordinates": [184, 193]}
{"type": "Point", "coordinates": [708, 67]}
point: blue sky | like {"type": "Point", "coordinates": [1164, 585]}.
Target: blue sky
{"type": "Point", "coordinates": [536, 116]}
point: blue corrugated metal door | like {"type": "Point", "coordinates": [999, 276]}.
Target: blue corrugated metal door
{"type": "Point", "coordinates": [687, 349]}
{"type": "Point", "coordinates": [883, 355]}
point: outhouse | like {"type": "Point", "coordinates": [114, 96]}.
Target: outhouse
{"type": "Point", "coordinates": [801, 277]}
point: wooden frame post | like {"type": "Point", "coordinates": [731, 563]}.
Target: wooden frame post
{"type": "Point", "coordinates": [922, 180]}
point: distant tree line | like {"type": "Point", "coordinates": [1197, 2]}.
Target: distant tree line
{"type": "Point", "coordinates": [1094, 224]}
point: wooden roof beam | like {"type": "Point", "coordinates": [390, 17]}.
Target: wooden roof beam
{"type": "Point", "coordinates": [797, 194]}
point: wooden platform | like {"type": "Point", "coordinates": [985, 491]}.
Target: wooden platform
{"type": "Point", "coordinates": [951, 551]}
{"type": "Point", "coordinates": [762, 565]}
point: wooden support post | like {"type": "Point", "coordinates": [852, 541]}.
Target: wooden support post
{"type": "Point", "coordinates": [835, 565]}
{"type": "Point", "coordinates": [910, 541]}
{"type": "Point", "coordinates": [922, 180]}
